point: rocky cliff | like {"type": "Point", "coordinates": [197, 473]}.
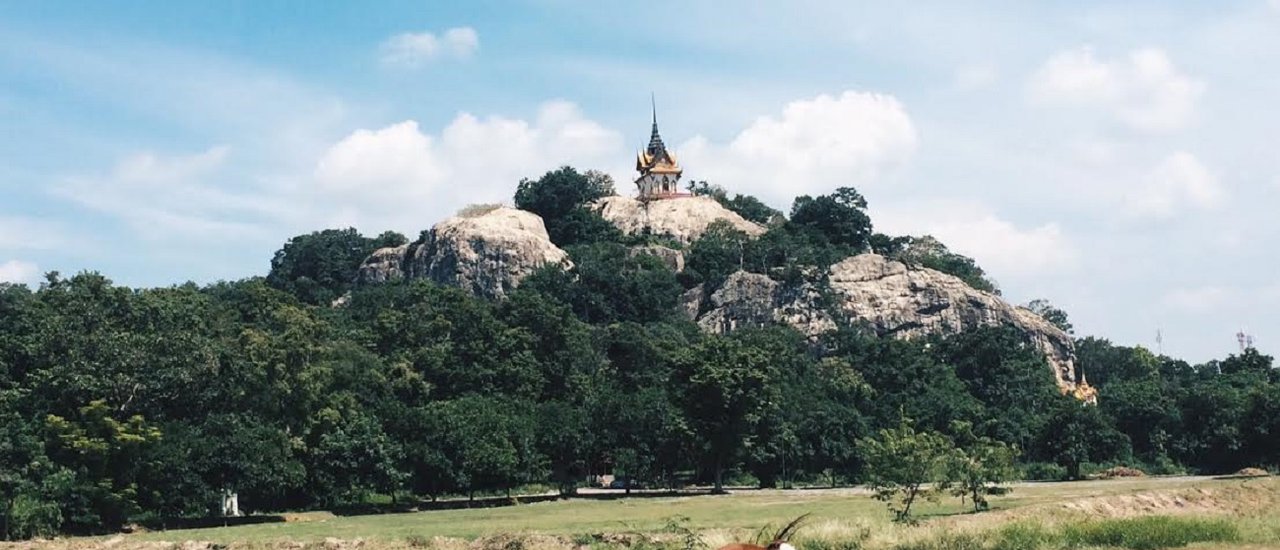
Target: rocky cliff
{"type": "Point", "coordinates": [683, 218]}
{"type": "Point", "coordinates": [888, 296]}
{"type": "Point", "coordinates": [487, 254]}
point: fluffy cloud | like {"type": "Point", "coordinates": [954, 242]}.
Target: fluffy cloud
{"type": "Point", "coordinates": [17, 271]}
{"type": "Point", "coordinates": [1178, 182]}
{"type": "Point", "coordinates": [176, 197]}
{"type": "Point", "coordinates": [413, 50]}
{"type": "Point", "coordinates": [970, 228]}
{"type": "Point", "coordinates": [815, 146]}
{"type": "Point", "coordinates": [402, 178]}
{"type": "Point", "coordinates": [1144, 90]}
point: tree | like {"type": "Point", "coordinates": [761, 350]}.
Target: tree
{"type": "Point", "coordinates": [1053, 315]}
{"type": "Point", "coordinates": [901, 462]}
{"type": "Point", "coordinates": [978, 466]}
{"type": "Point", "coordinates": [321, 266]}
{"type": "Point", "coordinates": [929, 252]}
{"type": "Point", "coordinates": [1078, 433]}
{"type": "Point", "coordinates": [839, 217]}
{"type": "Point", "coordinates": [716, 255]}
{"type": "Point", "coordinates": [728, 387]}
{"type": "Point", "coordinates": [746, 206]}
{"type": "Point", "coordinates": [561, 198]}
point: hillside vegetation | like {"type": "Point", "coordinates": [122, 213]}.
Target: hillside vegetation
{"type": "Point", "coordinates": [124, 406]}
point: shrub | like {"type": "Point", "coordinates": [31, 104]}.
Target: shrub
{"type": "Point", "coordinates": [1043, 471]}
{"type": "Point", "coordinates": [1150, 533]}
{"type": "Point", "coordinates": [477, 210]}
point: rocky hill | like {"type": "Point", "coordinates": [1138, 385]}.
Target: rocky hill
{"type": "Point", "coordinates": [683, 219]}
{"type": "Point", "coordinates": [888, 296]}
{"type": "Point", "coordinates": [489, 253]}
{"type": "Point", "coordinates": [486, 253]}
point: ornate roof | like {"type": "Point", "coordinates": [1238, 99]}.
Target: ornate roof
{"type": "Point", "coordinates": [655, 158]}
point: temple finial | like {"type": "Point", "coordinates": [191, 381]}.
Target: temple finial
{"type": "Point", "coordinates": [653, 101]}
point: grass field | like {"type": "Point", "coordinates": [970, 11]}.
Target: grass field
{"type": "Point", "coordinates": [1035, 515]}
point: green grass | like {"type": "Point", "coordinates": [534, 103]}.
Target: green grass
{"type": "Point", "coordinates": [1151, 532]}
{"type": "Point", "coordinates": [1029, 518]}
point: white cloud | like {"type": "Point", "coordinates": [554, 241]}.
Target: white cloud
{"type": "Point", "coordinates": [176, 197]}
{"type": "Point", "coordinates": [815, 146]}
{"type": "Point", "coordinates": [401, 178]}
{"type": "Point", "coordinates": [970, 228]}
{"type": "Point", "coordinates": [1143, 90]}
{"type": "Point", "coordinates": [17, 271]}
{"type": "Point", "coordinates": [413, 50]}
{"type": "Point", "coordinates": [1178, 182]}
{"type": "Point", "coordinates": [22, 233]}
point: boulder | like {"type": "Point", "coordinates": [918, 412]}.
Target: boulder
{"type": "Point", "coordinates": [683, 219]}
{"type": "Point", "coordinates": [486, 253]}
{"type": "Point", "coordinates": [385, 264]}
{"type": "Point", "coordinates": [670, 256]}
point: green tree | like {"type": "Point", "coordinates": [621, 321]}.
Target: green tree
{"type": "Point", "coordinates": [561, 198]}
{"type": "Point", "coordinates": [1053, 315]}
{"type": "Point", "coordinates": [321, 266]}
{"type": "Point", "coordinates": [728, 387]}
{"type": "Point", "coordinates": [929, 252]}
{"type": "Point", "coordinates": [839, 217]}
{"type": "Point", "coordinates": [1078, 433]}
{"type": "Point", "coordinates": [978, 466]}
{"type": "Point", "coordinates": [901, 463]}
{"type": "Point", "coordinates": [104, 452]}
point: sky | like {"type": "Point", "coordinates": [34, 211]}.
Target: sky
{"type": "Point", "coordinates": [1119, 159]}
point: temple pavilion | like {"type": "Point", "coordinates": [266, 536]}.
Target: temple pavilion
{"type": "Point", "coordinates": [659, 171]}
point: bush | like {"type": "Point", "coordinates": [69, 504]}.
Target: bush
{"type": "Point", "coordinates": [1043, 471]}
{"type": "Point", "coordinates": [1150, 533]}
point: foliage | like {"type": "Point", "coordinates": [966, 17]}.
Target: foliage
{"type": "Point", "coordinates": [750, 208]}
{"type": "Point", "coordinates": [978, 466]}
{"type": "Point", "coordinates": [319, 267]}
{"type": "Point", "coordinates": [901, 462]}
{"type": "Point", "coordinates": [1053, 315]}
{"type": "Point", "coordinates": [840, 218]}
{"type": "Point", "coordinates": [119, 405]}
{"type": "Point", "coordinates": [929, 252]}
{"type": "Point", "coordinates": [561, 198]}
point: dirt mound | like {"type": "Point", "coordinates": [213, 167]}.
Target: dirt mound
{"type": "Point", "coordinates": [1240, 499]}
{"type": "Point", "coordinates": [1252, 472]}
{"type": "Point", "coordinates": [1118, 472]}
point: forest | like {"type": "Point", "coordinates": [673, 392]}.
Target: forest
{"type": "Point", "coordinates": [141, 405]}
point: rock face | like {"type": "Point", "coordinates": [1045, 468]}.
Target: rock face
{"type": "Point", "coordinates": [755, 300]}
{"type": "Point", "coordinates": [674, 259]}
{"type": "Point", "coordinates": [385, 264]}
{"type": "Point", "coordinates": [682, 218]}
{"type": "Point", "coordinates": [486, 254]}
{"type": "Point", "coordinates": [890, 298]}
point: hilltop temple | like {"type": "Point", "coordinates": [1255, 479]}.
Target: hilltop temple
{"type": "Point", "coordinates": [659, 171]}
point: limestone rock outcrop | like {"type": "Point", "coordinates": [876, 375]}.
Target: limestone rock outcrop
{"type": "Point", "coordinates": [890, 298]}
{"type": "Point", "coordinates": [674, 259]}
{"type": "Point", "coordinates": [487, 254]}
{"type": "Point", "coordinates": [681, 218]}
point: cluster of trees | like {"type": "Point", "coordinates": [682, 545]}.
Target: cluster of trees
{"type": "Point", "coordinates": [121, 405]}
{"type": "Point", "coordinates": [904, 464]}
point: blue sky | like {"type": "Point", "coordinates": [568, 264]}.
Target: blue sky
{"type": "Point", "coordinates": [1118, 159]}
